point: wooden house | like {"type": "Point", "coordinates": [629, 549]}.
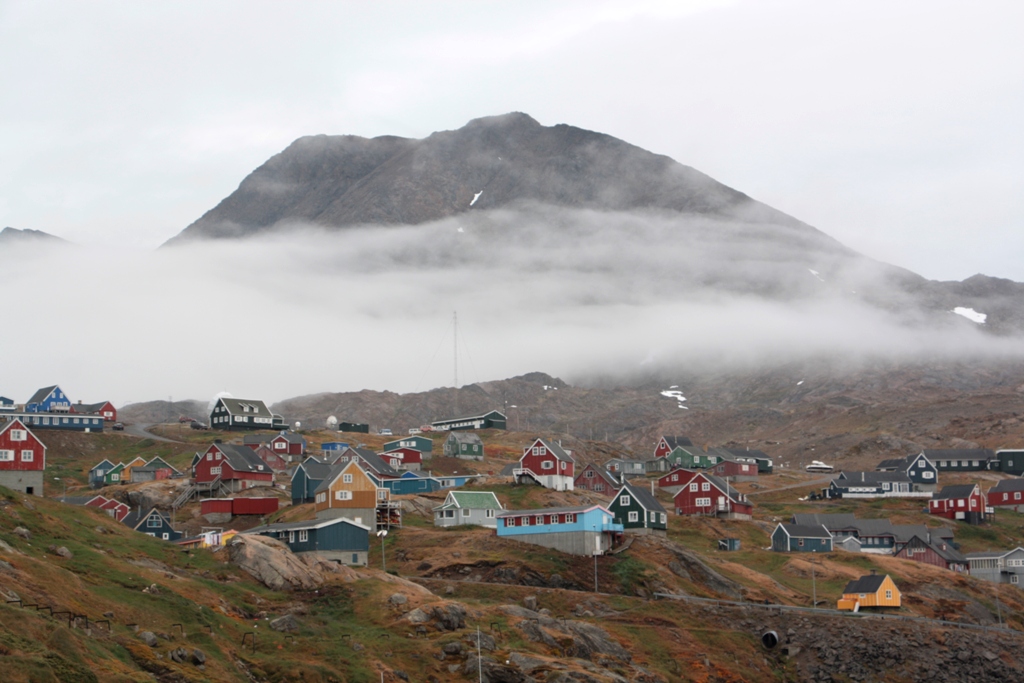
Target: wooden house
{"type": "Point", "coordinates": [667, 444]}
{"type": "Point", "coordinates": [152, 523]}
{"type": "Point", "coordinates": [962, 459]}
{"type": "Point", "coordinates": [306, 478]}
{"type": "Point", "coordinates": [331, 447]}
{"type": "Point", "coordinates": [764, 463]}
{"type": "Point", "coordinates": [403, 459]}
{"type": "Point", "coordinates": [272, 459]}
{"type": "Point", "coordinates": [465, 445]}
{"type": "Point", "coordinates": [98, 474]}
{"type": "Point", "coordinates": [61, 421]}
{"type": "Point", "coordinates": [691, 458]}
{"type": "Point", "coordinates": [411, 483]}
{"type": "Point", "coordinates": [49, 399]}
{"type": "Point", "coordinates": [415, 442]}
{"type": "Point", "coordinates": [962, 501]}
{"type": "Point", "coordinates": [732, 468]}
{"type": "Point", "coordinates": [638, 511]}
{"type": "Point", "coordinates": [492, 420]}
{"type": "Point", "coordinates": [547, 464]}
{"type": "Point", "coordinates": [596, 480]}
{"type": "Point", "coordinates": [354, 427]}
{"type": "Point", "coordinates": [114, 508]}
{"type": "Point", "coordinates": [1011, 461]}
{"type": "Point", "coordinates": [797, 538]}
{"type": "Point", "coordinates": [231, 468]}
{"type": "Point", "coordinates": [371, 462]}
{"type": "Point", "coordinates": [479, 508]}
{"type": "Point", "coordinates": [939, 554]}
{"type": "Point", "coordinates": [351, 491]}
{"type": "Point", "coordinates": [246, 414]}
{"type": "Point", "coordinates": [287, 445]}
{"type": "Point", "coordinates": [7, 405]}
{"type": "Point", "coordinates": [921, 471]}
{"type": "Point", "coordinates": [104, 409]}
{"type": "Point", "coordinates": [706, 494]}
{"type": "Point", "coordinates": [873, 590]}
{"type": "Point", "coordinates": [675, 480]}
{"type": "Point", "coordinates": [999, 566]}
{"type": "Point", "coordinates": [1007, 494]}
{"type": "Point", "coordinates": [156, 469]}
{"type": "Point", "coordinates": [586, 530]}
{"type": "Point", "coordinates": [625, 468]}
{"type": "Point", "coordinates": [338, 539]}
{"type": "Point", "coordinates": [22, 458]}
{"type": "Point", "coordinates": [126, 471]}
{"type": "Point", "coordinates": [873, 485]}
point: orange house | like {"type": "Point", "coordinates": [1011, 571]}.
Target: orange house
{"type": "Point", "coordinates": [349, 491]}
{"type": "Point", "coordinates": [870, 591]}
{"type": "Point", "coordinates": [126, 473]}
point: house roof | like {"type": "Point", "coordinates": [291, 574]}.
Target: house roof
{"type": "Point", "coordinates": [160, 462]}
{"type": "Point", "coordinates": [840, 520]}
{"type": "Point", "coordinates": [955, 491]}
{"type": "Point", "coordinates": [473, 500]}
{"type": "Point", "coordinates": [894, 463]}
{"type": "Point", "coordinates": [642, 496]}
{"type": "Point", "coordinates": [236, 406]}
{"type": "Point", "coordinates": [374, 462]}
{"type": "Point", "coordinates": [555, 449]}
{"type": "Point", "coordinates": [308, 524]}
{"type": "Point", "coordinates": [949, 553]}
{"type": "Point", "coordinates": [41, 394]}
{"type": "Point", "coordinates": [806, 531]}
{"type": "Point", "coordinates": [473, 417]}
{"type": "Point", "coordinates": [464, 437]}
{"type": "Point", "coordinates": [723, 486]}
{"type": "Point", "coordinates": [315, 468]}
{"type": "Point", "coordinates": [959, 453]}
{"type": "Point", "coordinates": [865, 584]}
{"type": "Point", "coordinates": [748, 453]}
{"type": "Point", "coordinates": [674, 441]}
{"type": "Point", "coordinates": [1008, 485]}
{"type": "Point", "coordinates": [85, 408]}
{"type": "Point", "coordinates": [632, 461]}
{"type": "Point", "coordinates": [874, 527]}
{"type": "Point", "coordinates": [602, 473]}
{"type": "Point", "coordinates": [904, 532]}
{"type": "Point", "coordinates": [553, 511]}
{"type": "Point", "coordinates": [872, 478]}
{"type": "Point", "coordinates": [993, 554]}
{"type": "Point", "coordinates": [240, 458]}
{"type": "Point", "coordinates": [135, 518]}
{"type": "Point", "coordinates": [104, 463]}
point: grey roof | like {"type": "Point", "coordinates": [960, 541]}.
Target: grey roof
{"type": "Point", "coordinates": [134, 519]}
{"type": "Point", "coordinates": [556, 450]}
{"type": "Point", "coordinates": [315, 468]}
{"type": "Point", "coordinates": [240, 458]}
{"type": "Point", "coordinates": [993, 554]}
{"type": "Point", "coordinates": [674, 441]}
{"type": "Point", "coordinates": [464, 437]}
{"type": "Point", "coordinates": [41, 394]}
{"type": "Point", "coordinates": [643, 496]}
{"type": "Point", "coordinates": [904, 532]}
{"type": "Point", "coordinates": [874, 527]}
{"type": "Point", "coordinates": [948, 553]}
{"type": "Point", "coordinates": [894, 464]}
{"type": "Point", "coordinates": [955, 491]}
{"type": "Point", "coordinates": [959, 453]}
{"type": "Point", "coordinates": [723, 486]}
{"type": "Point", "coordinates": [87, 408]}
{"type": "Point", "coordinates": [748, 453]}
{"type": "Point", "coordinates": [842, 520]}
{"type": "Point", "coordinates": [865, 584]}
{"type": "Point", "coordinates": [375, 462]}
{"type": "Point", "coordinates": [943, 532]}
{"type": "Point", "coordinates": [806, 531]}
{"type": "Point", "coordinates": [101, 464]}
{"type": "Point", "coordinates": [235, 406]}
{"type": "Point", "coordinates": [308, 524]}
{"type": "Point", "coordinates": [1008, 485]}
{"type": "Point", "coordinates": [472, 417]}
{"type": "Point", "coordinates": [875, 478]}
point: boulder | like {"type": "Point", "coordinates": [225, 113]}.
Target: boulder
{"type": "Point", "coordinates": [198, 657]}
{"type": "Point", "coordinates": [449, 616]}
{"type": "Point", "coordinates": [149, 638]}
{"type": "Point", "coordinates": [23, 532]}
{"type": "Point", "coordinates": [270, 562]}
{"type": "Point", "coordinates": [178, 655]}
{"type": "Point", "coordinates": [157, 495]}
{"type": "Point", "coordinates": [286, 623]}
{"type": "Point", "coordinates": [397, 599]}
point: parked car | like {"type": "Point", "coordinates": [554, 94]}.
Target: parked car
{"type": "Point", "coordinates": [413, 430]}
{"type": "Point", "coordinates": [118, 427]}
{"type": "Point", "coordinates": [196, 424]}
{"type": "Point", "coordinates": [184, 419]}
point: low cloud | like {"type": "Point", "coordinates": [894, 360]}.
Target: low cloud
{"type": "Point", "coordinates": [571, 293]}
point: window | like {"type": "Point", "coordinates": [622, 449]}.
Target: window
{"type": "Point", "coordinates": [693, 487]}
{"type": "Point", "coordinates": [960, 503]}
{"type": "Point", "coordinates": [664, 520]}
{"type": "Point", "coordinates": [1014, 578]}
{"type": "Point", "coordinates": [589, 474]}
{"type": "Point", "coordinates": [346, 479]}
{"type": "Point", "coordinates": [27, 455]}
{"type": "Point", "coordinates": [624, 501]}
{"type": "Point", "coordinates": [154, 522]}
{"type": "Point", "coordinates": [1016, 495]}
{"type": "Point", "coordinates": [465, 512]}
{"type": "Point", "coordinates": [355, 558]}
{"type": "Point", "coordinates": [6, 456]}
{"type": "Point", "coordinates": [209, 456]}
{"type": "Point", "coordinates": [539, 520]}
{"type": "Point", "coordinates": [632, 515]}
{"type": "Point", "coordinates": [343, 495]}
{"type": "Point", "coordinates": [167, 536]}
{"type": "Point", "coordinates": [675, 477]}
{"type": "Point", "coordinates": [450, 514]}
{"type": "Point", "coordinates": [213, 470]}
{"type": "Point", "coordinates": [654, 516]}
{"type": "Point", "coordinates": [570, 518]}
{"type": "Point", "coordinates": [888, 595]}
{"type": "Point", "coordinates": [564, 466]}
{"type": "Point", "coordinates": [19, 435]}
{"type": "Point", "coordinates": [303, 535]}
{"type": "Point", "coordinates": [703, 502]}
{"type": "Point", "coordinates": [800, 542]}
{"type": "Point", "coordinates": [705, 486]}
{"type": "Point", "coordinates": [382, 494]}
{"type": "Point", "coordinates": [280, 445]}
{"type": "Point", "coordinates": [489, 514]}
{"type": "Point", "coordinates": [291, 537]}
{"type": "Point", "coordinates": [599, 487]}
{"type": "Point", "coordinates": [547, 465]}
{"type": "Point", "coordinates": [927, 474]}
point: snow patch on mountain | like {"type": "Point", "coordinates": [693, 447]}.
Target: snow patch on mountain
{"type": "Point", "coordinates": [971, 314]}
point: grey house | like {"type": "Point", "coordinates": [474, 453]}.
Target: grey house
{"type": "Point", "coordinates": [797, 538]}
{"type": "Point", "coordinates": [480, 508]}
{"type": "Point", "coordinates": [339, 539]}
{"type": "Point", "coordinates": [921, 471]}
{"type": "Point", "coordinates": [465, 445]}
{"type": "Point", "coordinates": [999, 566]}
{"type": "Point", "coordinates": [623, 467]}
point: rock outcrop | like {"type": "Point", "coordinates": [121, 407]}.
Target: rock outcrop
{"type": "Point", "coordinates": [270, 562]}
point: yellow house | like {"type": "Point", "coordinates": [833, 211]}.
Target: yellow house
{"type": "Point", "coordinates": [349, 491]}
{"type": "Point", "coordinates": [126, 473]}
{"type": "Point", "coordinates": [870, 591]}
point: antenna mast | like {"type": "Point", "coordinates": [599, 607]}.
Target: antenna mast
{"type": "Point", "coordinates": [455, 346]}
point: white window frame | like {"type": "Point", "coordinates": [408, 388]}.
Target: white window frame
{"type": "Point", "coordinates": [624, 501]}
{"type": "Point", "coordinates": [343, 495]}
{"type": "Point", "coordinates": [633, 516]}
{"type": "Point", "coordinates": [27, 455]}
{"type": "Point", "coordinates": [693, 487]}
{"type": "Point", "coordinates": [705, 486]}
{"type": "Point", "coordinates": [19, 435]}
{"type": "Point", "coordinates": [303, 535]}
{"type": "Point", "coordinates": [466, 512]}
{"type": "Point", "coordinates": [702, 502]}
{"type": "Point", "coordinates": [346, 479]}
{"type": "Point", "coordinates": [547, 465]}
{"type": "Point", "coordinates": [6, 455]}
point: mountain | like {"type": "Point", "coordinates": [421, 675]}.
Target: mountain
{"type": "Point", "coordinates": [490, 163]}
{"type": "Point", "coordinates": [14, 236]}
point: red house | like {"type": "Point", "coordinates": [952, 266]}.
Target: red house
{"type": "Point", "coordinates": [667, 444]}
{"type": "Point", "coordinates": [597, 479]}
{"type": "Point", "coordinates": [114, 508]}
{"type": "Point", "coordinates": [403, 458]}
{"type": "Point", "coordinates": [939, 554]}
{"type": "Point", "coordinates": [734, 470]}
{"type": "Point", "coordinates": [231, 468]}
{"type": "Point", "coordinates": [272, 459]}
{"type": "Point", "coordinates": [22, 459]}
{"type": "Point", "coordinates": [104, 409]}
{"type": "Point", "coordinates": [962, 501]}
{"type": "Point", "coordinates": [285, 443]}
{"type": "Point", "coordinates": [675, 480]}
{"type": "Point", "coordinates": [706, 494]}
{"type": "Point", "coordinates": [547, 464]}
{"type": "Point", "coordinates": [1008, 493]}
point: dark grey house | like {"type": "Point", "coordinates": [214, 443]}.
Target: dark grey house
{"type": "Point", "coordinates": [339, 539]}
{"type": "Point", "coordinates": [797, 538]}
{"type": "Point", "coordinates": [465, 445]}
{"type": "Point", "coordinates": [962, 459]}
{"type": "Point", "coordinates": [638, 511]}
{"type": "Point", "coordinates": [918, 468]}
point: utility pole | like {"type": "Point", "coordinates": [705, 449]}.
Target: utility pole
{"type": "Point", "coordinates": [455, 358]}
{"type": "Point", "coordinates": [814, 587]}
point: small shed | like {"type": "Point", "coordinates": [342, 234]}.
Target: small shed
{"type": "Point", "coordinates": [873, 590]}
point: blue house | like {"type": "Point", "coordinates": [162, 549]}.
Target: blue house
{"type": "Point", "coordinates": [415, 442]}
{"type": "Point", "coordinates": [48, 400]}
{"type": "Point", "coordinates": [306, 477]}
{"type": "Point", "coordinates": [577, 531]}
{"type": "Point", "coordinates": [338, 539]}
{"type": "Point", "coordinates": [918, 468]}
{"type": "Point", "coordinates": [6, 404]}
{"type": "Point", "coordinates": [97, 475]}
{"type": "Point", "coordinates": [57, 420]}
{"type": "Point", "coordinates": [153, 523]}
{"type": "Point", "coordinates": [410, 483]}
{"type": "Point", "coordinates": [329, 447]}
{"type": "Point", "coordinates": [800, 538]}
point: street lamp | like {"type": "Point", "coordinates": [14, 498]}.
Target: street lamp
{"type": "Point", "coordinates": [597, 544]}
{"type": "Point", "coordinates": [383, 563]}
{"type": "Point", "coordinates": [814, 587]}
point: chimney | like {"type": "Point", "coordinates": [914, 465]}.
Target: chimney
{"type": "Point", "coordinates": [862, 476]}
{"type": "Point", "coordinates": [874, 572]}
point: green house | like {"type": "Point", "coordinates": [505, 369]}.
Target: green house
{"type": "Point", "coordinates": [638, 511]}
{"type": "Point", "coordinates": [464, 445]}
{"type": "Point", "coordinates": [113, 475]}
{"type": "Point", "coordinates": [415, 442]}
{"type": "Point", "coordinates": [691, 458]}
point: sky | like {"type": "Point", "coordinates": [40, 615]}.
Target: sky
{"type": "Point", "coordinates": [893, 127]}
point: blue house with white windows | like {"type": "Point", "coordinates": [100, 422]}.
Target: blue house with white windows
{"type": "Point", "coordinates": [412, 482]}
{"type": "Point", "coordinates": [338, 539]}
{"type": "Point", "coordinates": [577, 531]}
{"type": "Point", "coordinates": [306, 477]}
{"type": "Point", "coordinates": [48, 400]}
{"type": "Point", "coordinates": [6, 404]}
{"type": "Point", "coordinates": [153, 523]}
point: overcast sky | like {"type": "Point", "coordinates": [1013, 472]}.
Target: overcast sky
{"type": "Point", "coordinates": [893, 126]}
